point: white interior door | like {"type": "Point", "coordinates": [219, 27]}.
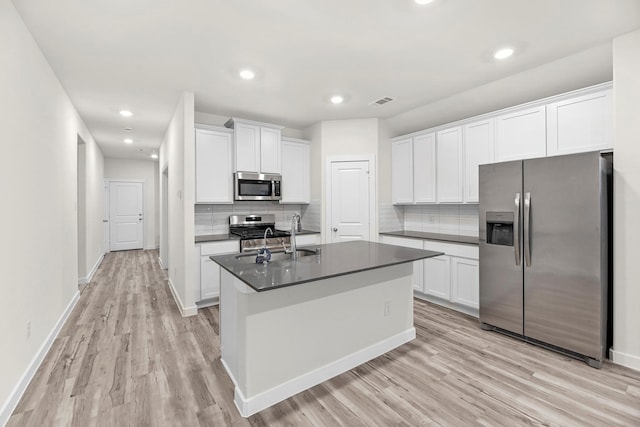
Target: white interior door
{"type": "Point", "coordinates": [125, 216]}
{"type": "Point", "coordinates": [349, 201]}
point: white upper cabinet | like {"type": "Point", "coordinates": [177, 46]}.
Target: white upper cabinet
{"type": "Point", "coordinates": [402, 171]}
{"type": "Point", "coordinates": [247, 147]}
{"type": "Point", "coordinates": [296, 171]}
{"type": "Point", "coordinates": [580, 124]}
{"type": "Point", "coordinates": [449, 165]}
{"type": "Point", "coordinates": [214, 165]}
{"type": "Point", "coordinates": [270, 150]}
{"type": "Point", "coordinates": [521, 135]}
{"type": "Point", "coordinates": [424, 168]}
{"type": "Point", "coordinates": [478, 150]}
{"type": "Point", "coordinates": [257, 146]}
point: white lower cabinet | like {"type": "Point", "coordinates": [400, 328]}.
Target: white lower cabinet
{"type": "Point", "coordinates": [465, 282]}
{"type": "Point", "coordinates": [308, 239]}
{"type": "Point", "coordinates": [436, 277]}
{"type": "Point", "coordinates": [207, 271]}
{"type": "Point", "coordinates": [453, 278]}
{"type": "Point", "coordinates": [209, 278]}
{"type": "Point", "coordinates": [417, 265]}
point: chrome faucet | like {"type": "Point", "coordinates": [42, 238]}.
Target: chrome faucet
{"type": "Point", "coordinates": [264, 242]}
{"type": "Point", "coordinates": [295, 226]}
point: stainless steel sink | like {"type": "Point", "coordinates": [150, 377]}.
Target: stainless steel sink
{"type": "Point", "coordinates": [278, 255]}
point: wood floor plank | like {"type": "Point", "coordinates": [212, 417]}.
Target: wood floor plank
{"type": "Point", "coordinates": [126, 357]}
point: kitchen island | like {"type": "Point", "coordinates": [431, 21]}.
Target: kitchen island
{"type": "Point", "coordinates": [288, 325]}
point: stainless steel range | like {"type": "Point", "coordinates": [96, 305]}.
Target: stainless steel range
{"type": "Point", "coordinates": [252, 229]}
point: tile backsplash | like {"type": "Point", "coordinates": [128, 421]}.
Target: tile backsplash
{"type": "Point", "coordinates": [214, 219]}
{"type": "Point", "coordinates": [390, 217]}
{"type": "Point", "coordinates": [460, 220]}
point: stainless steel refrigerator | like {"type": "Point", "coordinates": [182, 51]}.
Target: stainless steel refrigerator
{"type": "Point", "coordinates": [544, 258]}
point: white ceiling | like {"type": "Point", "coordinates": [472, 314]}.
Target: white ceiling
{"type": "Point", "coordinates": [140, 55]}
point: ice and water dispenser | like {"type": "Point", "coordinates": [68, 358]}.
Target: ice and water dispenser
{"type": "Point", "coordinates": [500, 228]}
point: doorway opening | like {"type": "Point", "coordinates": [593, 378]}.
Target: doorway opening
{"type": "Point", "coordinates": [126, 215]}
{"type": "Point", "coordinates": [164, 235]}
{"type": "Point", "coordinates": [81, 160]}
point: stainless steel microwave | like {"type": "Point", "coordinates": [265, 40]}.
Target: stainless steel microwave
{"type": "Point", "coordinates": [257, 186]}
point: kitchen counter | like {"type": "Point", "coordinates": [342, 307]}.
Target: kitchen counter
{"type": "Point", "coordinates": [215, 237]}
{"type": "Point", "coordinates": [336, 259]}
{"type": "Point", "coordinates": [449, 238]}
{"type": "Point", "coordinates": [220, 237]}
{"type": "Point", "coordinates": [350, 304]}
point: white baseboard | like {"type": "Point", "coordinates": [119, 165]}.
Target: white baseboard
{"type": "Point", "coordinates": [453, 306]}
{"type": "Point", "coordinates": [89, 278]}
{"type": "Point", "coordinates": [153, 247]}
{"type": "Point", "coordinates": [161, 263]}
{"type": "Point", "coordinates": [254, 404]}
{"type": "Point", "coordinates": [14, 397]}
{"type": "Point", "coordinates": [184, 311]}
{"type": "Point", "coordinates": [624, 359]}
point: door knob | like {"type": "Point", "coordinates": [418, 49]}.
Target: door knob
{"type": "Point", "coordinates": [335, 229]}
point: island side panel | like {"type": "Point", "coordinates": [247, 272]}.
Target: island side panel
{"type": "Point", "coordinates": [229, 318]}
{"type": "Point", "coordinates": [316, 330]}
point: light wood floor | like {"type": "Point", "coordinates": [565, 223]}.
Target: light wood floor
{"type": "Point", "coordinates": [126, 357]}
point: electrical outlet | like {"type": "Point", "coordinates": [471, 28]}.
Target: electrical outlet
{"type": "Point", "coordinates": [28, 328]}
{"type": "Point", "coordinates": [387, 306]}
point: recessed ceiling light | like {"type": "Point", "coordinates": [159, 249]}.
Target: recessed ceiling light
{"type": "Point", "coordinates": [154, 156]}
{"type": "Point", "coordinates": [128, 141]}
{"type": "Point", "coordinates": [422, 2]}
{"type": "Point", "coordinates": [247, 74]}
{"type": "Point", "coordinates": [126, 113]}
{"type": "Point", "coordinates": [503, 53]}
{"type": "Point", "coordinates": [337, 99]}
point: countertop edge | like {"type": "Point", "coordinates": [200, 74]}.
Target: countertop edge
{"type": "Point", "coordinates": [329, 276]}
{"type": "Point", "coordinates": [430, 254]}
{"type": "Point", "coordinates": [205, 238]}
{"type": "Point", "coordinates": [445, 237]}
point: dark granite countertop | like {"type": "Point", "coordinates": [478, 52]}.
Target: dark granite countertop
{"type": "Point", "coordinates": [336, 259]}
{"type": "Point", "coordinates": [219, 237]}
{"type": "Point", "coordinates": [448, 238]}
{"type": "Point", "coordinates": [216, 237]}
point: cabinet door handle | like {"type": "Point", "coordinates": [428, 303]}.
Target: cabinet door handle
{"type": "Point", "coordinates": [335, 229]}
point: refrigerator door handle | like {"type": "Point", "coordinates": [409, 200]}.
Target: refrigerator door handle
{"type": "Point", "coordinates": [516, 228]}
{"type": "Point", "coordinates": [527, 229]}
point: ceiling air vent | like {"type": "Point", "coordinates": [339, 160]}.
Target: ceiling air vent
{"type": "Point", "coordinates": [381, 101]}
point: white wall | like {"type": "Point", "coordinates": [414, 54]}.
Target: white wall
{"type": "Point", "coordinates": [342, 138]}
{"type": "Point", "coordinates": [140, 170]}
{"type": "Point", "coordinates": [38, 219]}
{"type": "Point", "coordinates": [177, 152]}
{"type": "Point", "coordinates": [92, 230]}
{"type": "Point", "coordinates": [626, 287]}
